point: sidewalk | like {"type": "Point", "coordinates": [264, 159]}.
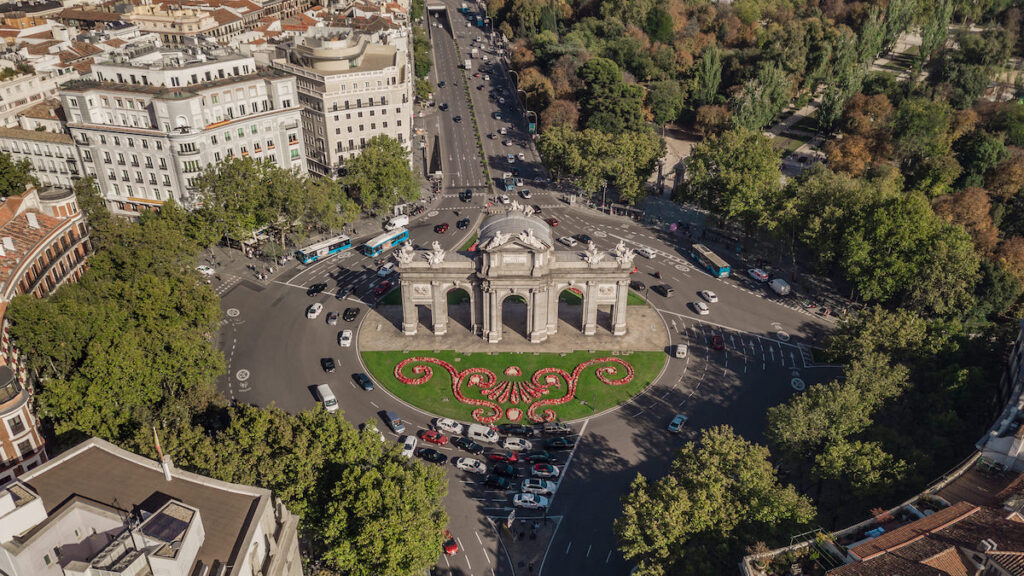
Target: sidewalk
{"type": "Point", "coordinates": [527, 542]}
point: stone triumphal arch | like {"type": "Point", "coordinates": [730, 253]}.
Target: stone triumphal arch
{"type": "Point", "coordinates": [515, 258]}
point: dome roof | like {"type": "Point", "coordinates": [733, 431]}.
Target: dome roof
{"type": "Point", "coordinates": [513, 223]}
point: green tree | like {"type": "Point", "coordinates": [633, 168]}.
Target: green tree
{"type": "Point", "coordinates": [14, 175]}
{"type": "Point", "coordinates": [422, 61]}
{"type": "Point", "coordinates": [864, 467]}
{"type": "Point", "coordinates": [847, 73]}
{"type": "Point", "coordinates": [423, 89]}
{"type": "Point", "coordinates": [736, 175]}
{"type": "Point", "coordinates": [978, 151]}
{"type": "Point", "coordinates": [720, 494]}
{"type": "Point", "coordinates": [923, 143]}
{"type": "Point", "coordinates": [762, 98]}
{"type": "Point", "coordinates": [380, 177]}
{"type": "Point", "coordinates": [709, 76]}
{"type": "Point", "coordinates": [934, 30]}
{"type": "Point", "coordinates": [665, 99]}
{"type": "Point", "coordinates": [237, 196]}
{"type": "Point", "coordinates": [608, 104]}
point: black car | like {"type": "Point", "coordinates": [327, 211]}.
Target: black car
{"type": "Point", "coordinates": [327, 364]}
{"type": "Point", "coordinates": [520, 430]}
{"type": "Point", "coordinates": [457, 118]}
{"type": "Point", "coordinates": [663, 289]}
{"type": "Point", "coordinates": [431, 455]}
{"type": "Point", "coordinates": [350, 314]}
{"type": "Point", "coordinates": [515, 172]}
{"type": "Point", "coordinates": [340, 294]}
{"type": "Point", "coordinates": [468, 445]}
{"type": "Point", "coordinates": [495, 481]}
{"type": "Point", "coordinates": [441, 85]}
{"type": "Point", "coordinates": [462, 224]}
{"type": "Point", "coordinates": [466, 196]}
{"type": "Point", "coordinates": [444, 105]}
{"type": "Point", "coordinates": [538, 457]}
{"type": "Point", "coordinates": [505, 469]}
{"type": "Point", "coordinates": [536, 208]}
{"type": "Point", "coordinates": [316, 289]}
{"type": "Point", "coordinates": [560, 443]}
{"type": "Point", "coordinates": [363, 381]}
{"type": "Point", "coordinates": [638, 285]}
{"type": "Point", "coordinates": [583, 238]}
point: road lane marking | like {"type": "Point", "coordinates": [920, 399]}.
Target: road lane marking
{"type": "Point", "coordinates": [609, 557]}
{"type": "Point", "coordinates": [568, 547]}
{"type": "Point", "coordinates": [478, 537]}
{"type": "Point", "coordinates": [588, 550]}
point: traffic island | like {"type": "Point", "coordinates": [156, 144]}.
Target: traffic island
{"type": "Point", "coordinates": [526, 541]}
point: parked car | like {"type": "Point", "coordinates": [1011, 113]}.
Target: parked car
{"type": "Point", "coordinates": [708, 295]}
{"type": "Point", "coordinates": [717, 342]}
{"type": "Point", "coordinates": [521, 156]}
{"type": "Point", "coordinates": [345, 338]}
{"type": "Point", "coordinates": [495, 481]}
{"type": "Point", "coordinates": [758, 274]}
{"type": "Point", "coordinates": [502, 456]}
{"type": "Point", "coordinates": [529, 501]}
{"type": "Point", "coordinates": [557, 429]}
{"type": "Point", "coordinates": [450, 546]}
{"type": "Point", "coordinates": [637, 285]}
{"type": "Point", "coordinates": [520, 430]}
{"type": "Point", "coordinates": [664, 289]}
{"type": "Point", "coordinates": [538, 486]}
{"type": "Point", "coordinates": [471, 465]}
{"type": "Point", "coordinates": [350, 314]}
{"type": "Point", "coordinates": [448, 425]}
{"type": "Point", "coordinates": [205, 270]}
{"type": "Point", "coordinates": [677, 423]}
{"type": "Point", "coordinates": [505, 469]}
{"type": "Point", "coordinates": [433, 436]}
{"type": "Point", "coordinates": [328, 364]}
{"type": "Point", "coordinates": [468, 445]}
{"type": "Point", "coordinates": [701, 308]}
{"type": "Point", "coordinates": [408, 445]}
{"type": "Point", "coordinates": [537, 456]}
{"type": "Point", "coordinates": [314, 310]}
{"type": "Point", "coordinates": [544, 471]}
{"type": "Point", "coordinates": [511, 158]}
{"type": "Point", "coordinates": [516, 444]}
{"type": "Point", "coordinates": [363, 381]}
{"type": "Point", "coordinates": [316, 289]}
{"type": "Point", "coordinates": [332, 318]}
{"type": "Point", "coordinates": [431, 455]}
{"type": "Point", "coordinates": [560, 444]}
{"type": "Point", "coordinates": [553, 222]}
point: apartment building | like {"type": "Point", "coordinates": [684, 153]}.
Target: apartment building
{"type": "Point", "coordinates": [98, 510]}
{"type": "Point", "coordinates": [174, 24]}
{"type": "Point", "coordinates": [352, 87]}
{"type": "Point", "coordinates": [21, 87]}
{"type": "Point", "coordinates": [146, 128]}
{"type": "Point", "coordinates": [53, 156]}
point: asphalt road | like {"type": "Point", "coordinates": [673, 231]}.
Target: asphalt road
{"type": "Point", "coordinates": [274, 352]}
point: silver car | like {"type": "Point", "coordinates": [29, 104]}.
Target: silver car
{"type": "Point", "coordinates": [570, 242]}
{"type": "Point", "coordinates": [538, 486]}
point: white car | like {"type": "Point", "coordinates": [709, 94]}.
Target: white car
{"type": "Point", "coordinates": [758, 274]}
{"type": "Point", "coordinates": [568, 241]}
{"type": "Point", "coordinates": [516, 444]}
{"type": "Point", "coordinates": [448, 425]}
{"type": "Point", "coordinates": [681, 350]}
{"type": "Point", "coordinates": [538, 486]}
{"type": "Point", "coordinates": [518, 182]}
{"type": "Point", "coordinates": [345, 338]}
{"type": "Point", "coordinates": [386, 270]}
{"type": "Point", "coordinates": [677, 423]}
{"type": "Point", "coordinates": [314, 310]}
{"type": "Point", "coordinates": [205, 270]}
{"type": "Point", "coordinates": [504, 199]}
{"type": "Point", "coordinates": [708, 295]}
{"type": "Point", "coordinates": [511, 158]}
{"type": "Point", "coordinates": [507, 142]}
{"type": "Point", "coordinates": [531, 501]}
{"type": "Point", "coordinates": [521, 156]}
{"type": "Point", "coordinates": [470, 465]}
{"type": "Point", "coordinates": [408, 445]}
{"type": "Point", "coordinates": [701, 308]}
{"type": "Point", "coordinates": [501, 100]}
{"type": "Point", "coordinates": [503, 131]}
{"type": "Point", "coordinates": [545, 471]}
{"type": "Point", "coordinates": [371, 428]}
{"type": "Point", "coordinates": [487, 77]}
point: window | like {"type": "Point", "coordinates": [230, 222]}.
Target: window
{"type": "Point", "coordinates": [295, 153]}
{"type": "Point", "coordinates": [16, 425]}
{"type": "Point", "coordinates": [25, 447]}
{"type": "Point", "coordinates": [103, 139]}
{"type": "Point", "coordinates": [241, 132]}
{"type": "Point", "coordinates": [254, 129]}
{"type": "Point", "coordinates": [213, 139]}
{"type": "Point", "coordinates": [227, 136]}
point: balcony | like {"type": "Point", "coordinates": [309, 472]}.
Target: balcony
{"type": "Point", "coordinates": [10, 391]}
{"type": "Point", "coordinates": [55, 262]}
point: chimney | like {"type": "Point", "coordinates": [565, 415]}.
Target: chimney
{"type": "Point", "coordinates": [33, 222]}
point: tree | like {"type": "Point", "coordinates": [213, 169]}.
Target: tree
{"type": "Point", "coordinates": [237, 196]}
{"type": "Point", "coordinates": [421, 52]}
{"type": "Point", "coordinates": [709, 76]}
{"type": "Point", "coordinates": [1007, 178]}
{"type": "Point", "coordinates": [850, 154]}
{"type": "Point", "coordinates": [665, 99]}
{"type": "Point", "coordinates": [718, 495]}
{"type": "Point", "coordinates": [736, 175]}
{"type": "Point", "coordinates": [997, 290]}
{"type": "Point", "coordinates": [608, 104]}
{"type": "Point", "coordinates": [924, 145]}
{"type": "Point", "coordinates": [560, 113]}
{"type": "Point", "coordinates": [934, 30]}
{"type": "Point", "coordinates": [1011, 256]}
{"type": "Point", "coordinates": [1010, 120]}
{"type": "Point", "coordinates": [423, 89]}
{"type": "Point", "coordinates": [761, 99]}
{"type": "Point", "coordinates": [972, 210]}
{"type": "Point", "coordinates": [712, 119]}
{"type": "Point", "coordinates": [380, 177]}
{"type": "Point", "coordinates": [539, 91]}
{"type": "Point", "coordinates": [977, 152]}
{"type": "Point", "coordinates": [846, 75]}
{"type": "Point", "coordinates": [863, 467]}
{"type": "Point", "coordinates": [15, 175]}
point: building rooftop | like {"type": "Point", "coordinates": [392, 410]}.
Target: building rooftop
{"type": "Point", "coordinates": [101, 472]}
{"type": "Point", "coordinates": [513, 223]}
{"type": "Point", "coordinates": [35, 135]}
{"type": "Point", "coordinates": [170, 92]}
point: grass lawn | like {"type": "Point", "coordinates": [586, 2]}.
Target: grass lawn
{"type": "Point", "coordinates": [573, 299]}
{"type": "Point", "coordinates": [788, 145]}
{"type": "Point", "coordinates": [469, 243]}
{"type": "Point", "coordinates": [393, 297]}
{"type": "Point", "coordinates": [436, 396]}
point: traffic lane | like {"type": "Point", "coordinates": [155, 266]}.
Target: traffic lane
{"type": "Point", "coordinates": [458, 136]}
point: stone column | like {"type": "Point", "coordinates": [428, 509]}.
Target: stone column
{"type": "Point", "coordinates": [619, 311]}
{"type": "Point", "coordinates": [538, 315]}
{"type": "Point", "coordinates": [439, 308]}
{"type": "Point", "coordinates": [551, 296]}
{"type": "Point", "coordinates": [410, 317]}
{"type": "Point", "coordinates": [590, 309]}
{"type": "Point", "coordinates": [493, 315]}
{"type": "Point", "coordinates": [475, 296]}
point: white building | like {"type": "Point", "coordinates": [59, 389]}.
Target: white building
{"type": "Point", "coordinates": [21, 89]}
{"type": "Point", "coordinates": [352, 87]}
{"type": "Point", "coordinates": [97, 510]}
{"type": "Point", "coordinates": [146, 130]}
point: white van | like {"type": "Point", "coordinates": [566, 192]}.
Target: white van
{"type": "Point", "coordinates": [327, 397]}
{"type": "Point", "coordinates": [397, 222]}
{"type": "Point", "coordinates": [480, 433]}
{"type": "Point", "coordinates": [780, 286]}
{"type": "Point", "coordinates": [646, 252]}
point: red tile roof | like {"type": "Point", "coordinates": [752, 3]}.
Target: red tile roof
{"type": "Point", "coordinates": [24, 237]}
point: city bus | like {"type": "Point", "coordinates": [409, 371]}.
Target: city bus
{"type": "Point", "coordinates": [710, 261]}
{"type": "Point", "coordinates": [324, 248]}
{"type": "Point", "coordinates": [385, 241]}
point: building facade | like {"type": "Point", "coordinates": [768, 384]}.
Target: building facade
{"type": "Point", "coordinates": [21, 445]}
{"type": "Point", "coordinates": [53, 156]}
{"type": "Point", "coordinates": [351, 89]}
{"type": "Point", "coordinates": [21, 89]}
{"type": "Point", "coordinates": [145, 131]}
{"type": "Point", "coordinates": [98, 510]}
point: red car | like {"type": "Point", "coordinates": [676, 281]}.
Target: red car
{"type": "Point", "coordinates": [382, 288]}
{"type": "Point", "coordinates": [451, 547]}
{"type": "Point", "coordinates": [503, 456]}
{"type": "Point", "coordinates": [441, 228]}
{"type": "Point", "coordinates": [717, 342]}
{"type": "Point", "coordinates": [433, 436]}
{"type": "Point", "coordinates": [552, 222]}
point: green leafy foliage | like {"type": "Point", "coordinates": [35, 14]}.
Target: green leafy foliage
{"type": "Point", "coordinates": [381, 177]}
{"type": "Point", "coordinates": [422, 61]}
{"type": "Point", "coordinates": [14, 175]}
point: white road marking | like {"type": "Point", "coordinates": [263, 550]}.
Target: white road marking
{"type": "Point", "coordinates": [478, 537]}
{"type": "Point", "coordinates": [609, 557]}
{"type": "Point", "coordinates": [568, 547]}
{"type": "Point", "coordinates": [588, 550]}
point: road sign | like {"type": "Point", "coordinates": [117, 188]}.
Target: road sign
{"type": "Point", "coordinates": [533, 127]}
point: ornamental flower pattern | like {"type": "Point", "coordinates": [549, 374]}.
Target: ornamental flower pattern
{"type": "Point", "coordinates": [610, 370]}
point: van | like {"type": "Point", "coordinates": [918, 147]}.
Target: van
{"type": "Point", "coordinates": [397, 222]}
{"type": "Point", "coordinates": [480, 433]}
{"type": "Point", "coordinates": [327, 397]}
{"type": "Point", "coordinates": [394, 422]}
{"type": "Point", "coordinates": [645, 252]}
{"type": "Point", "coordinates": [780, 286]}
{"type": "Point", "coordinates": [681, 350]}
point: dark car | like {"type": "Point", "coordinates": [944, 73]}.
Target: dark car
{"type": "Point", "coordinates": [340, 294]}
{"type": "Point", "coordinates": [327, 364]}
{"type": "Point", "coordinates": [466, 196]}
{"type": "Point", "coordinates": [638, 285]}
{"type": "Point", "coordinates": [382, 288]}
{"type": "Point", "coordinates": [515, 172]}
{"type": "Point", "coordinates": [462, 224]}
{"type": "Point", "coordinates": [363, 381]}
{"type": "Point", "coordinates": [441, 228]}
{"type": "Point", "coordinates": [457, 118]}
{"type": "Point", "coordinates": [557, 429]}
{"type": "Point", "coordinates": [552, 222]}
{"type": "Point", "coordinates": [495, 481]}
{"type": "Point", "coordinates": [444, 105]}
{"type": "Point", "coordinates": [536, 209]}
{"type": "Point", "coordinates": [316, 289]}
{"type": "Point", "coordinates": [431, 455]}
{"type": "Point", "coordinates": [663, 289]}
{"type": "Point", "coordinates": [441, 85]}
{"type": "Point", "coordinates": [502, 456]}
{"type": "Point", "coordinates": [563, 443]}
{"type": "Point", "coordinates": [717, 342]}
{"type": "Point", "coordinates": [350, 314]}
{"type": "Point", "coordinates": [520, 430]}
{"type": "Point", "coordinates": [468, 445]}
{"type": "Point", "coordinates": [332, 318]}
{"type": "Point", "coordinates": [538, 456]}
{"type": "Point", "coordinates": [505, 469]}
{"type": "Point", "coordinates": [583, 238]}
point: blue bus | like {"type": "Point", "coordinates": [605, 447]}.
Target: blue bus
{"type": "Point", "coordinates": [322, 249]}
{"type": "Point", "coordinates": [385, 241]}
{"type": "Point", "coordinates": [710, 261]}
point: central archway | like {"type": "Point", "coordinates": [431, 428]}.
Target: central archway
{"type": "Point", "coordinates": [515, 316]}
{"type": "Point", "coordinates": [460, 307]}
{"type": "Point", "coordinates": [570, 308]}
